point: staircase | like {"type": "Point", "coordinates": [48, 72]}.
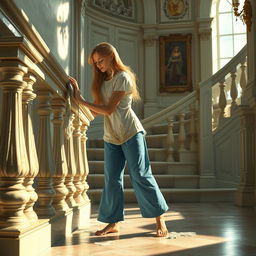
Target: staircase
{"type": "Point", "coordinates": [189, 141]}
{"type": "Point", "coordinates": [178, 178]}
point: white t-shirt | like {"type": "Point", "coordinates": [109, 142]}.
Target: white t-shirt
{"type": "Point", "coordinates": [123, 123]}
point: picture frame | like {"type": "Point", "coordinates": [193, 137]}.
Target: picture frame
{"type": "Point", "coordinates": [175, 63]}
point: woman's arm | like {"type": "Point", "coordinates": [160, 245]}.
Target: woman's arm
{"type": "Point", "coordinates": [97, 108]}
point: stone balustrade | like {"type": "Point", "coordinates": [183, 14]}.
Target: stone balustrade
{"type": "Point", "coordinates": [43, 188]}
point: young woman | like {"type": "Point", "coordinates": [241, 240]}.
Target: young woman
{"type": "Point", "coordinates": [114, 88]}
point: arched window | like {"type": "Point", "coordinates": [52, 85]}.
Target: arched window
{"type": "Point", "coordinates": [228, 33]}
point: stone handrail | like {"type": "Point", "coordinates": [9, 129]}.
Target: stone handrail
{"type": "Point", "coordinates": [170, 111]}
{"type": "Point", "coordinates": [218, 85]}
{"type": "Point", "coordinates": [224, 71]}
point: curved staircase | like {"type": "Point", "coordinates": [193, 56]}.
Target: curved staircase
{"type": "Point", "coordinates": [186, 153]}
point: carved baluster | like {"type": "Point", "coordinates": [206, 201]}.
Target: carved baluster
{"type": "Point", "coordinates": [28, 96]}
{"type": "Point", "coordinates": [182, 133]}
{"type": "Point", "coordinates": [44, 187]}
{"type": "Point", "coordinates": [170, 141]}
{"type": "Point", "coordinates": [69, 149]}
{"type": "Point", "coordinates": [243, 80]}
{"type": "Point", "coordinates": [14, 166]}
{"type": "Point", "coordinates": [61, 170]}
{"type": "Point", "coordinates": [222, 100]}
{"type": "Point", "coordinates": [193, 144]}
{"type": "Point", "coordinates": [79, 161]}
{"type": "Point", "coordinates": [233, 91]}
{"type": "Point", "coordinates": [85, 160]}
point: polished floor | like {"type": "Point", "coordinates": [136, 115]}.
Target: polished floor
{"type": "Point", "coordinates": [215, 229]}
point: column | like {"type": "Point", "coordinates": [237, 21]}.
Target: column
{"type": "Point", "coordinates": [44, 187]}
{"type": "Point", "coordinates": [14, 166]}
{"type": "Point", "coordinates": [58, 107]}
{"type": "Point", "coordinates": [245, 195]}
{"type": "Point", "coordinates": [27, 97]}
{"type": "Point", "coordinates": [205, 43]}
{"type": "Point", "coordinates": [245, 192]}
{"type": "Point", "coordinates": [151, 65]}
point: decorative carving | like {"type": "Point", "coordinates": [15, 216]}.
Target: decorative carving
{"type": "Point", "coordinates": [175, 9]}
{"type": "Point", "coordinates": [205, 33]}
{"type": "Point", "coordinates": [121, 8]}
{"type": "Point", "coordinates": [150, 40]}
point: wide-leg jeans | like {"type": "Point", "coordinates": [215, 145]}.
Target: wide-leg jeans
{"type": "Point", "coordinates": [150, 199]}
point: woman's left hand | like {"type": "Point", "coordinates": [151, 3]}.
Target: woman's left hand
{"type": "Point", "coordinates": [74, 83]}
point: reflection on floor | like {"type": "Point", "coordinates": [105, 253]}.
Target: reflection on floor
{"type": "Point", "coordinates": [215, 229]}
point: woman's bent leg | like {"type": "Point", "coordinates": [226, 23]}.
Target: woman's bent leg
{"type": "Point", "coordinates": [148, 194]}
{"type": "Point", "coordinates": [111, 208]}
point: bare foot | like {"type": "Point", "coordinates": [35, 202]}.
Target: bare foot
{"type": "Point", "coordinates": [110, 228]}
{"type": "Point", "coordinates": [161, 230]}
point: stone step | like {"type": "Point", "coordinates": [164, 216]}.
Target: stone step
{"type": "Point", "coordinates": [158, 167]}
{"type": "Point", "coordinates": [175, 195]}
{"type": "Point", "coordinates": [153, 141]}
{"type": "Point", "coordinates": [159, 129]}
{"type": "Point", "coordinates": [155, 154]}
{"type": "Point", "coordinates": [164, 181]}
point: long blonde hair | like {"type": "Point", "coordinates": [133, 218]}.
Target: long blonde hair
{"type": "Point", "coordinates": [106, 49]}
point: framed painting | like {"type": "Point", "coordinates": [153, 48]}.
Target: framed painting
{"type": "Point", "coordinates": [175, 63]}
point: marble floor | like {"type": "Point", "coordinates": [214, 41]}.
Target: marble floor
{"type": "Point", "coordinates": [214, 229]}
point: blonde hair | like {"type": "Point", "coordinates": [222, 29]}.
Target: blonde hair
{"type": "Point", "coordinates": [106, 49]}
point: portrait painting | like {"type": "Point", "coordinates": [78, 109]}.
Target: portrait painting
{"type": "Point", "coordinates": [175, 63]}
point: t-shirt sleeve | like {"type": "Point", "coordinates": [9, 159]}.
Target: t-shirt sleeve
{"type": "Point", "coordinates": [123, 83]}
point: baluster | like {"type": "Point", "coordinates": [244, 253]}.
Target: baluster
{"type": "Point", "coordinates": [28, 96]}
{"type": "Point", "coordinates": [182, 134]}
{"type": "Point", "coordinates": [233, 91]}
{"type": "Point", "coordinates": [222, 100]}
{"type": "Point", "coordinates": [44, 187]}
{"type": "Point", "coordinates": [61, 170]}
{"type": "Point", "coordinates": [79, 161]}
{"type": "Point", "coordinates": [14, 166]}
{"type": "Point", "coordinates": [193, 144]}
{"type": "Point", "coordinates": [170, 141]}
{"type": "Point", "coordinates": [69, 149]}
{"type": "Point", "coordinates": [85, 160]}
{"type": "Point", "coordinates": [243, 81]}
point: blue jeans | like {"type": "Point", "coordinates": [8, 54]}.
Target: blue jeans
{"type": "Point", "coordinates": [150, 199]}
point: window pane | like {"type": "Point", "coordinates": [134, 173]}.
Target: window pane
{"type": "Point", "coordinates": [239, 27]}
{"type": "Point", "coordinates": [239, 42]}
{"type": "Point", "coordinates": [226, 46]}
{"type": "Point", "coordinates": [223, 62]}
{"type": "Point", "coordinates": [225, 6]}
{"type": "Point", "coordinates": [225, 24]}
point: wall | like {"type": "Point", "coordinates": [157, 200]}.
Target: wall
{"type": "Point", "coordinates": [127, 39]}
{"type": "Point", "coordinates": [137, 40]}
{"type": "Point", "coordinates": [53, 20]}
